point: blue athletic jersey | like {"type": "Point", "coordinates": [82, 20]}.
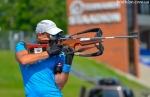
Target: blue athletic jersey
{"type": "Point", "coordinates": [39, 78]}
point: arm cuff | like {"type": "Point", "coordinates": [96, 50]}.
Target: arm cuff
{"type": "Point", "coordinates": [66, 68]}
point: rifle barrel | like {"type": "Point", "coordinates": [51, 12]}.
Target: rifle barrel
{"type": "Point", "coordinates": [119, 37]}
{"type": "Point", "coordinates": [97, 38]}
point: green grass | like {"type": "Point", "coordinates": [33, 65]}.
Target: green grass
{"type": "Point", "coordinates": [11, 84]}
{"type": "Point", "coordinates": [10, 77]}
{"type": "Point", "coordinates": [73, 86]}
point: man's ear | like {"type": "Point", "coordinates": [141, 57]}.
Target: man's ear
{"type": "Point", "coordinates": [39, 35]}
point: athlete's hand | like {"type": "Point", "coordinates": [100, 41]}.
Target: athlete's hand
{"type": "Point", "coordinates": [69, 57]}
{"type": "Point", "coordinates": [55, 49]}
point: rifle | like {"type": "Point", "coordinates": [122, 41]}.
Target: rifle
{"type": "Point", "coordinates": [70, 41]}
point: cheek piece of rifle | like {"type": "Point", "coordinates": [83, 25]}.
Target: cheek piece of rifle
{"type": "Point", "coordinates": [96, 40]}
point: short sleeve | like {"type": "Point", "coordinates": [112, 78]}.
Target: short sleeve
{"type": "Point", "coordinates": [20, 47]}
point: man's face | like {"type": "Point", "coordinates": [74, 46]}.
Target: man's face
{"type": "Point", "coordinates": [44, 36]}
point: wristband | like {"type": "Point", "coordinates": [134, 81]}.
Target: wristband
{"type": "Point", "coordinates": [66, 68]}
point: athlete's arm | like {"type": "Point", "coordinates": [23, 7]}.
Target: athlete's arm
{"type": "Point", "coordinates": [61, 79]}
{"type": "Point", "coordinates": [24, 58]}
{"type": "Point", "coordinates": [62, 73]}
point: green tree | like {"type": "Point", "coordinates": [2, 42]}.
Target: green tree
{"type": "Point", "coordinates": [25, 14]}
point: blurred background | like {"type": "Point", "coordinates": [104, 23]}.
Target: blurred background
{"type": "Point", "coordinates": [123, 69]}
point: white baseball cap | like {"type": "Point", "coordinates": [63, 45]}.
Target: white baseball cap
{"type": "Point", "coordinates": [47, 26]}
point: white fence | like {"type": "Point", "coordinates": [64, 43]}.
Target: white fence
{"type": "Point", "coordinates": [9, 39]}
